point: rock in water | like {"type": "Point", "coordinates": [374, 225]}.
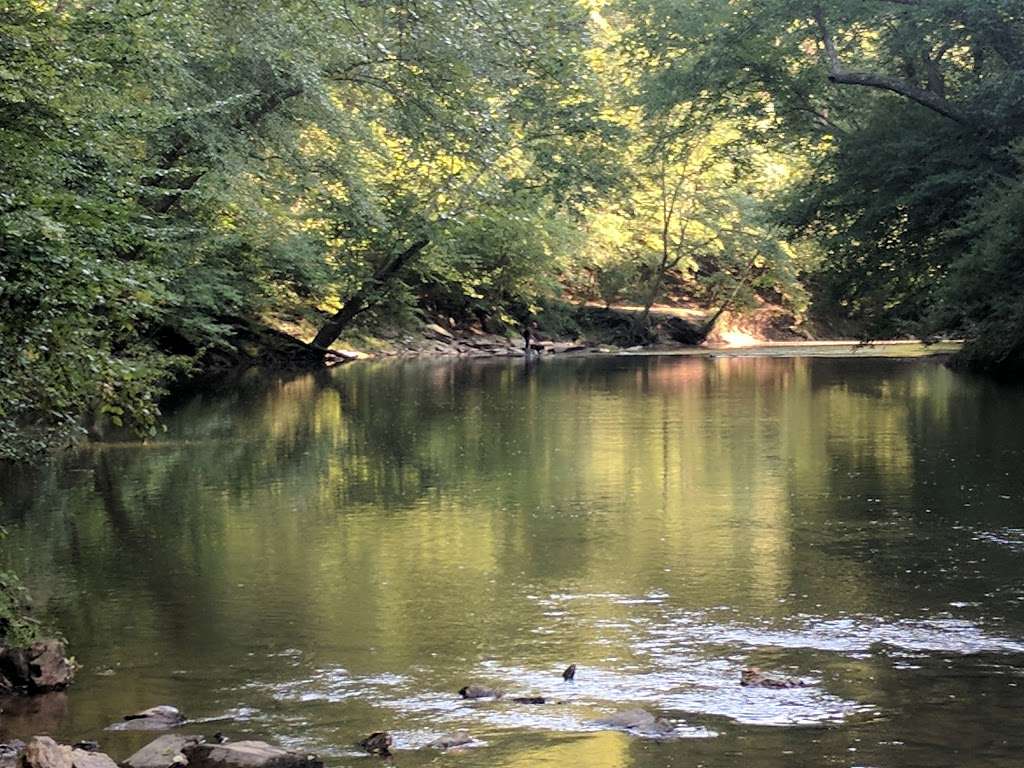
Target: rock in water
{"type": "Point", "coordinates": [378, 743]}
{"type": "Point", "coordinates": [637, 721]}
{"type": "Point", "coordinates": [160, 718]}
{"type": "Point", "coordinates": [755, 678]}
{"type": "Point", "coordinates": [161, 753]}
{"type": "Point", "coordinates": [480, 692]}
{"type": "Point", "coordinates": [570, 673]}
{"type": "Point", "coordinates": [49, 667]}
{"type": "Point", "coordinates": [529, 700]}
{"type": "Point", "coordinates": [247, 754]}
{"type": "Point", "coordinates": [452, 740]}
{"type": "Point", "coordinates": [44, 752]}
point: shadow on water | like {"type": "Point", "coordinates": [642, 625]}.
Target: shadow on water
{"type": "Point", "coordinates": [311, 559]}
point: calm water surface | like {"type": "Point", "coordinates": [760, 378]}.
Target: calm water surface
{"type": "Point", "coordinates": [310, 560]}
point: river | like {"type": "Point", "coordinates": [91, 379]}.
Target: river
{"type": "Point", "coordinates": [308, 560]}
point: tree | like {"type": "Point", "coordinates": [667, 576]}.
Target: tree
{"type": "Point", "coordinates": [179, 171]}
{"type": "Point", "coordinates": [906, 109]}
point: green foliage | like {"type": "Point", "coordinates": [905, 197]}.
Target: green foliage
{"type": "Point", "coordinates": [984, 293]}
{"type": "Point", "coordinates": [903, 113]}
{"type": "Point", "coordinates": [175, 168]}
{"type": "Point", "coordinates": [17, 629]}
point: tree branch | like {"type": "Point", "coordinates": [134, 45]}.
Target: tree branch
{"type": "Point", "coordinates": [838, 74]}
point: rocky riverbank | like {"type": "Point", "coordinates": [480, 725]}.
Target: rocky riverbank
{"type": "Point", "coordinates": [583, 329]}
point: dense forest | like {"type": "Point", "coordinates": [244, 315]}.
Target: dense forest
{"type": "Point", "coordinates": [178, 175]}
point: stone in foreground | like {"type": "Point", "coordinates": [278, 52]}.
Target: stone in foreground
{"type": "Point", "coordinates": [81, 758]}
{"type": "Point", "coordinates": [163, 752]}
{"type": "Point", "coordinates": [247, 754]}
{"type": "Point", "coordinates": [44, 752]}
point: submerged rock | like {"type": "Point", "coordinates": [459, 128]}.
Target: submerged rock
{"type": "Point", "coordinates": [637, 721]}
{"type": "Point", "coordinates": [247, 754]}
{"type": "Point", "coordinates": [159, 718]}
{"type": "Point", "coordinates": [44, 752]}
{"type": "Point", "coordinates": [480, 692]}
{"type": "Point", "coordinates": [163, 752]}
{"type": "Point", "coordinates": [755, 678]}
{"type": "Point", "coordinates": [452, 740]}
{"type": "Point", "coordinates": [530, 700]}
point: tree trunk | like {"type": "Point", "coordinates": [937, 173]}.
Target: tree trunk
{"type": "Point", "coordinates": [360, 301]}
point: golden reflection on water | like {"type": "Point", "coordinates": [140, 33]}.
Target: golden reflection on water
{"type": "Point", "coordinates": [423, 521]}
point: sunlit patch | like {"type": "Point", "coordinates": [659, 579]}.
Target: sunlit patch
{"type": "Point", "coordinates": [735, 338]}
{"type": "Point", "coordinates": [1012, 538]}
{"type": "Point", "coordinates": [334, 685]}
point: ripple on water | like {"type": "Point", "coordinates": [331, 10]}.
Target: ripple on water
{"type": "Point", "coordinates": [1012, 538]}
{"type": "Point", "coordinates": [335, 684]}
{"type": "Point", "coordinates": [848, 635]}
{"type": "Point", "coordinates": [683, 663]}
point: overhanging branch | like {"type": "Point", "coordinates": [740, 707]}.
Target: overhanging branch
{"type": "Point", "coordinates": [840, 75]}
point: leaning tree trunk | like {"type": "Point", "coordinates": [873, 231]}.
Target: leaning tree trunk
{"type": "Point", "coordinates": [362, 299]}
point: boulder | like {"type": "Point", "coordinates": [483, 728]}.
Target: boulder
{"type": "Point", "coordinates": [160, 718]}
{"type": "Point", "coordinates": [163, 752]}
{"type": "Point", "coordinates": [81, 758]}
{"type": "Point", "coordinates": [247, 754]}
{"type": "Point", "coordinates": [41, 667]}
{"type": "Point", "coordinates": [44, 752]}
{"type": "Point", "coordinates": [49, 667]}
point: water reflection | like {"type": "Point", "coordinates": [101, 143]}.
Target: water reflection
{"type": "Point", "coordinates": [313, 559]}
